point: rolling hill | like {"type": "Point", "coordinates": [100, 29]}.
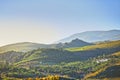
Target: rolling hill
{"type": "Point", "coordinates": [109, 72]}
{"type": "Point", "coordinates": [22, 47]}
{"type": "Point", "coordinates": [58, 55]}
{"type": "Point", "coordinates": [55, 56]}
{"type": "Point", "coordinates": [94, 36]}
{"type": "Point", "coordinates": [74, 62]}
{"type": "Point", "coordinates": [28, 46]}
{"type": "Point", "coordinates": [104, 45]}
{"type": "Point", "coordinates": [74, 43]}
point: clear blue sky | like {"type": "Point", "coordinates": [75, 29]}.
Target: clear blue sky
{"type": "Point", "coordinates": [60, 18]}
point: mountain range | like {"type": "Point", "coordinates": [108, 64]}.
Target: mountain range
{"type": "Point", "coordinates": [76, 40]}
{"type": "Point", "coordinates": [94, 36]}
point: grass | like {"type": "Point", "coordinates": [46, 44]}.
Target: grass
{"type": "Point", "coordinates": [109, 64]}
{"type": "Point", "coordinates": [97, 46]}
{"type": "Point", "coordinates": [116, 54]}
{"type": "Point", "coordinates": [25, 46]}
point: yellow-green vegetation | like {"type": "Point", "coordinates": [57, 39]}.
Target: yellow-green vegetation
{"type": "Point", "coordinates": [116, 54]}
{"type": "Point", "coordinates": [49, 77]}
{"type": "Point", "coordinates": [15, 47]}
{"type": "Point", "coordinates": [20, 47]}
{"type": "Point", "coordinates": [31, 57]}
{"type": "Point", "coordinates": [111, 78]}
{"type": "Point", "coordinates": [95, 73]}
{"type": "Point", "coordinates": [108, 72]}
{"type": "Point", "coordinates": [111, 44]}
{"type": "Point", "coordinates": [76, 64]}
{"type": "Point", "coordinates": [103, 71]}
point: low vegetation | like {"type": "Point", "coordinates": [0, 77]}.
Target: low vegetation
{"type": "Point", "coordinates": [89, 62]}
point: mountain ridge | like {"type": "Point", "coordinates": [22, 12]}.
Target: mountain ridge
{"type": "Point", "coordinates": [27, 46]}
{"type": "Point", "coordinates": [94, 36]}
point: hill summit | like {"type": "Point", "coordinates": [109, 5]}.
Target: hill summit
{"type": "Point", "coordinates": [75, 43]}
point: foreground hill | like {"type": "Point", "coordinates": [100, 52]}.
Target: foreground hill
{"type": "Point", "coordinates": [52, 55]}
{"type": "Point", "coordinates": [94, 36]}
{"type": "Point", "coordinates": [111, 71]}
{"type": "Point", "coordinates": [55, 56]}
{"type": "Point", "coordinates": [76, 63]}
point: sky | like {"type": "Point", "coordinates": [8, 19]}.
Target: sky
{"type": "Point", "coordinates": [46, 21]}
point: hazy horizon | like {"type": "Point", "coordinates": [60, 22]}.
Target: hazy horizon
{"type": "Point", "coordinates": [48, 21]}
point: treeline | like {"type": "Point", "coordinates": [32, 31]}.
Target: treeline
{"type": "Point", "coordinates": [52, 77]}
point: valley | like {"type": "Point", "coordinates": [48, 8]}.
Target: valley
{"type": "Point", "coordinates": [90, 61]}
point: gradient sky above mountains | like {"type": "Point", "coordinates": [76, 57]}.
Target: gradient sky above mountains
{"type": "Point", "coordinates": [46, 21]}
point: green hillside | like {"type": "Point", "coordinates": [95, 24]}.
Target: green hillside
{"type": "Point", "coordinates": [11, 57]}
{"type": "Point", "coordinates": [21, 47]}
{"type": "Point", "coordinates": [110, 71]}
{"type": "Point", "coordinates": [76, 64]}
{"type": "Point", "coordinates": [107, 73]}
{"type": "Point", "coordinates": [55, 56]}
{"type": "Point", "coordinates": [47, 56]}
{"type": "Point", "coordinates": [111, 44]}
{"type": "Point", "coordinates": [28, 46]}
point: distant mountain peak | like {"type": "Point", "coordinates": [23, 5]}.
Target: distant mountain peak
{"type": "Point", "coordinates": [75, 43]}
{"type": "Point", "coordinates": [114, 30]}
{"type": "Point", "coordinates": [77, 40]}
{"type": "Point", "coordinates": [94, 36]}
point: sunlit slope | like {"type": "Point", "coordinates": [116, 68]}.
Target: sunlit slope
{"type": "Point", "coordinates": [111, 44]}
{"type": "Point", "coordinates": [27, 46]}
{"type": "Point", "coordinates": [53, 56]}
{"type": "Point", "coordinates": [48, 56]}
{"type": "Point", "coordinates": [110, 71]}
{"type": "Point", "coordinates": [116, 54]}
{"type": "Point", "coordinates": [22, 47]}
{"type": "Point", "coordinates": [11, 56]}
